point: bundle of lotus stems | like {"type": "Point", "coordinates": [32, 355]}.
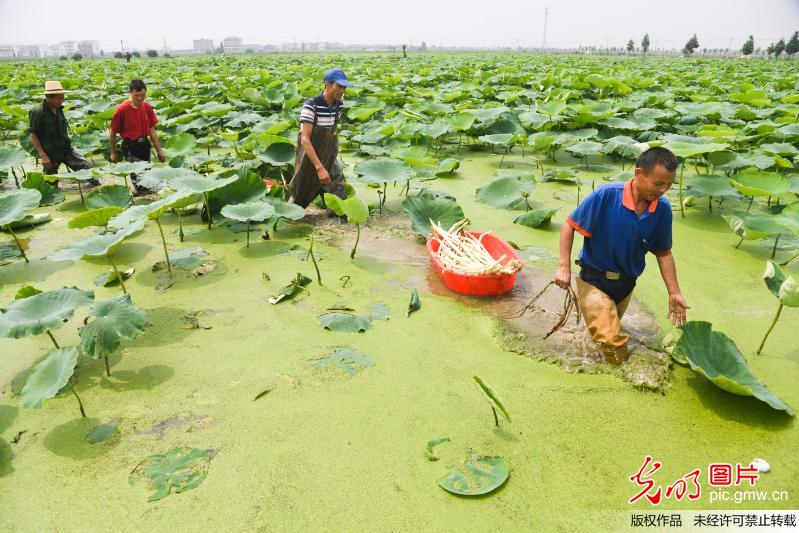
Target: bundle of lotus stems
{"type": "Point", "coordinates": [463, 253]}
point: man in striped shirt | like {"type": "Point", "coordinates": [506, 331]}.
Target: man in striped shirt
{"type": "Point", "coordinates": [316, 164]}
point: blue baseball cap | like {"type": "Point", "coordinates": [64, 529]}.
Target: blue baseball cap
{"type": "Point", "coordinates": [336, 75]}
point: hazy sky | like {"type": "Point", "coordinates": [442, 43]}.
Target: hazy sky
{"type": "Point", "coordinates": [145, 23]}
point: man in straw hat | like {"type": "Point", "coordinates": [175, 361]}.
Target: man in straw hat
{"type": "Point", "coordinates": [48, 132]}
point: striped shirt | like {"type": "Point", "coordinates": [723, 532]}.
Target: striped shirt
{"type": "Point", "coordinates": [316, 111]}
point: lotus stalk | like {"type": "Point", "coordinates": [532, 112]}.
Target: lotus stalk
{"type": "Point", "coordinates": [118, 274]}
{"type": "Point", "coordinates": [52, 338]}
{"type": "Point", "coordinates": [20, 247]}
{"type": "Point", "coordinates": [208, 209]}
{"type": "Point", "coordinates": [773, 323]}
{"type": "Point", "coordinates": [80, 403]}
{"type": "Point", "coordinates": [163, 241]}
{"type": "Point", "coordinates": [313, 258]}
{"type": "Point", "coordinates": [785, 263]}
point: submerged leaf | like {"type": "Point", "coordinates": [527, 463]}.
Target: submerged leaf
{"type": "Point", "coordinates": [348, 360]}
{"type": "Point", "coordinates": [101, 433]}
{"type": "Point", "coordinates": [431, 444]}
{"type": "Point", "coordinates": [178, 470]}
{"type": "Point", "coordinates": [717, 357]}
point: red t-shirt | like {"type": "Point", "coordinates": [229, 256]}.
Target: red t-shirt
{"type": "Point", "coordinates": [132, 123]}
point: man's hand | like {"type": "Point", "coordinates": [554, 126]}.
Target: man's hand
{"type": "Point", "coordinates": [46, 163]}
{"type": "Point", "coordinates": [113, 157]}
{"type": "Point", "coordinates": [160, 154]}
{"type": "Point", "coordinates": [677, 307]}
{"type": "Point", "coordinates": [563, 277]}
{"type": "Point", "coordinates": [324, 176]}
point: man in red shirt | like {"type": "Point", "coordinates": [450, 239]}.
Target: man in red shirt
{"type": "Point", "coordinates": [134, 121]}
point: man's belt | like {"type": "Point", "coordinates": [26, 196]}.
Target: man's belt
{"type": "Point", "coordinates": [603, 274]}
{"type": "Point", "coordinates": [139, 140]}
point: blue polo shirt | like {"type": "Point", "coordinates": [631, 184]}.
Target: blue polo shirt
{"type": "Point", "coordinates": [616, 238]}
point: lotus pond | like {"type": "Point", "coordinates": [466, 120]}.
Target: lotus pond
{"type": "Point", "coordinates": [165, 365]}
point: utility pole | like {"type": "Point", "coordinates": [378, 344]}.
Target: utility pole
{"type": "Point", "coordinates": [546, 16]}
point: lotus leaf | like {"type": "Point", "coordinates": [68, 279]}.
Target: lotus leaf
{"type": "Point", "coordinates": [126, 168]}
{"type": "Point", "coordinates": [49, 377]}
{"type": "Point", "coordinates": [761, 184]}
{"type": "Point", "coordinates": [505, 193]}
{"type": "Point", "coordinates": [347, 360]}
{"type": "Point", "coordinates": [383, 170]}
{"type": "Point", "coordinates": [277, 154]}
{"type": "Point", "coordinates": [354, 209]}
{"type": "Point", "coordinates": [179, 470]}
{"type": "Point", "coordinates": [690, 149]}
{"type": "Point", "coordinates": [50, 193]}
{"type": "Point", "coordinates": [482, 476]}
{"type": "Point", "coordinates": [781, 285]}
{"type": "Point", "coordinates": [345, 322]}
{"type": "Point", "coordinates": [432, 444]}
{"type": "Point", "coordinates": [11, 157]}
{"type": "Point", "coordinates": [112, 321]}
{"type": "Point", "coordinates": [426, 206]}
{"type": "Point", "coordinates": [42, 312]}
{"type": "Point", "coordinates": [717, 357]}
{"type": "Point", "coordinates": [94, 217]}
{"type": "Point", "coordinates": [447, 166]}
{"type": "Point", "coordinates": [14, 205]}
{"type": "Point", "coordinates": [97, 245]}
{"type": "Point", "coordinates": [535, 218]}
{"type": "Point", "coordinates": [197, 183]}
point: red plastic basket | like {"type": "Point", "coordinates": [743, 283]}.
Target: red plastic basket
{"type": "Point", "coordinates": [482, 285]}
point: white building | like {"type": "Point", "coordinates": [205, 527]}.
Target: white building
{"type": "Point", "coordinates": [203, 46]}
{"type": "Point", "coordinates": [6, 50]}
{"type": "Point", "coordinates": [233, 45]}
{"type": "Point", "coordinates": [89, 48]}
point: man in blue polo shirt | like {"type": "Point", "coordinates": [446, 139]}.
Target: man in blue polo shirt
{"type": "Point", "coordinates": [620, 223]}
{"type": "Point", "coordinates": [316, 163]}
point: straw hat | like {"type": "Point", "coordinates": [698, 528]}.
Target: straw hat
{"type": "Point", "coordinates": [53, 87]}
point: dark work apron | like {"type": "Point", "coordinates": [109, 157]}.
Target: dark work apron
{"type": "Point", "coordinates": [304, 185]}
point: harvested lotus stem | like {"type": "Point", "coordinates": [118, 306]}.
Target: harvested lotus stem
{"type": "Point", "coordinates": [463, 253]}
{"type": "Point", "coordinates": [569, 304]}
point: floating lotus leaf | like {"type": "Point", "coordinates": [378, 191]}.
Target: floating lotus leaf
{"type": "Point", "coordinates": [355, 209]}
{"type": "Point", "coordinates": [26, 292]}
{"type": "Point", "coordinates": [447, 166]}
{"type": "Point", "coordinates": [426, 206]}
{"type": "Point", "coordinates": [761, 184]}
{"type": "Point", "coordinates": [11, 157]}
{"type": "Point", "coordinates": [182, 144]}
{"type": "Point", "coordinates": [717, 357]}
{"type": "Point", "coordinates": [348, 360]}
{"type": "Point", "coordinates": [42, 312]}
{"type": "Point", "coordinates": [781, 285]}
{"type": "Point", "coordinates": [432, 444]}
{"type": "Point", "coordinates": [505, 193]}
{"type": "Point", "coordinates": [112, 321]}
{"type": "Point", "coordinates": [277, 154]}
{"type": "Point", "coordinates": [94, 217]}
{"type": "Point", "coordinates": [14, 205]}
{"type": "Point", "coordinates": [383, 170]}
{"type": "Point", "coordinates": [249, 212]}
{"type": "Point", "coordinates": [49, 377]}
{"type": "Point", "coordinates": [178, 470]}
{"type": "Point", "coordinates": [416, 156]}
{"type": "Point", "coordinates": [97, 245]}
{"type": "Point", "coordinates": [481, 476]}
{"type": "Point", "coordinates": [535, 218]}
{"type": "Point", "coordinates": [101, 433]}
{"type": "Point", "coordinates": [50, 193]}
{"type": "Point", "coordinates": [345, 322]}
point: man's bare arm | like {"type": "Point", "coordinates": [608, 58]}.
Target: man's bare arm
{"type": "Point", "coordinates": [677, 304]}
{"type": "Point", "coordinates": [39, 150]}
{"type": "Point", "coordinates": [158, 151]}
{"type": "Point", "coordinates": [563, 277]}
{"type": "Point", "coordinates": [112, 144]}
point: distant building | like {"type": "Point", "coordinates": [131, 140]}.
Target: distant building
{"type": "Point", "coordinates": [232, 45]}
{"type": "Point", "coordinates": [6, 50]}
{"type": "Point", "coordinates": [64, 48]}
{"type": "Point", "coordinates": [203, 46]}
{"type": "Point", "coordinates": [89, 48]}
{"type": "Point", "coordinates": [31, 51]}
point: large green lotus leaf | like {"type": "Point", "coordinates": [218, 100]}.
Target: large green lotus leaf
{"type": "Point", "coordinates": [791, 131]}
{"type": "Point", "coordinates": [783, 149]}
{"type": "Point", "coordinates": [481, 476]}
{"type": "Point", "coordinates": [355, 209]}
{"type": "Point", "coordinates": [136, 213]}
{"type": "Point", "coordinates": [213, 109]}
{"type": "Point", "coordinates": [345, 322]}
{"type": "Point", "coordinates": [267, 139]}
{"type": "Point", "coordinates": [11, 157]}
{"type": "Point", "coordinates": [179, 199]}
{"type": "Point", "coordinates": [249, 212]}
{"type": "Point", "coordinates": [626, 147]}
{"type": "Point", "coordinates": [426, 206]}
{"type": "Point", "coordinates": [752, 226]}
{"type": "Point", "coordinates": [487, 115]}
{"type": "Point", "coordinates": [50, 193]}
{"type": "Point", "coordinates": [41, 312]}
{"type": "Point", "coordinates": [436, 129]}
{"type": "Point", "coordinates": [416, 156]}
{"type": "Point", "coordinates": [619, 123]}
{"type": "Point", "coordinates": [533, 120]}
{"type": "Point", "coordinates": [707, 185]}
{"type": "Point", "coordinates": [447, 166]}
{"type": "Point", "coordinates": [781, 285]}
{"type": "Point", "coordinates": [789, 218]}
{"type": "Point", "coordinates": [158, 176]}
{"type": "Point", "coordinates": [49, 377]}
{"type": "Point", "coordinates": [461, 121]}
{"type": "Point", "coordinates": [97, 245]}
{"type": "Point", "coordinates": [94, 217]}
{"type": "Point", "coordinates": [761, 184]}
{"type": "Point", "coordinates": [383, 170]}
{"type": "Point", "coordinates": [688, 149]}
{"type": "Point", "coordinates": [15, 205]}
{"type": "Point", "coordinates": [198, 183]}
{"type": "Point", "coordinates": [285, 209]}
{"type": "Point", "coordinates": [247, 186]}
{"type": "Point", "coordinates": [505, 193]}
{"type": "Point", "coordinates": [179, 470]}
{"type": "Point", "coordinates": [585, 148]}
{"type": "Point", "coordinates": [717, 357]}
{"type": "Point", "coordinates": [498, 139]}
{"type": "Point", "coordinates": [181, 144]}
{"type": "Point", "coordinates": [535, 218]}
{"type": "Point", "coordinates": [277, 154]}
{"type": "Point", "coordinates": [112, 321]}
{"type": "Point", "coordinates": [84, 174]}
{"type": "Point", "coordinates": [126, 168]}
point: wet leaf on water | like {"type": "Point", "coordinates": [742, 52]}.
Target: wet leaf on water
{"type": "Point", "coordinates": [185, 257]}
{"type": "Point", "coordinates": [101, 433]}
{"type": "Point", "coordinates": [380, 311]}
{"type": "Point", "coordinates": [345, 322]}
{"type": "Point", "coordinates": [26, 291]}
{"type": "Point", "coordinates": [110, 277]}
{"type": "Point", "coordinates": [415, 304]}
{"type": "Point", "coordinates": [178, 470]}
{"type": "Point", "coordinates": [481, 476]}
{"type": "Point", "coordinates": [431, 444]}
{"type": "Point", "coordinates": [291, 290]}
{"type": "Point", "coordinates": [348, 360]}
